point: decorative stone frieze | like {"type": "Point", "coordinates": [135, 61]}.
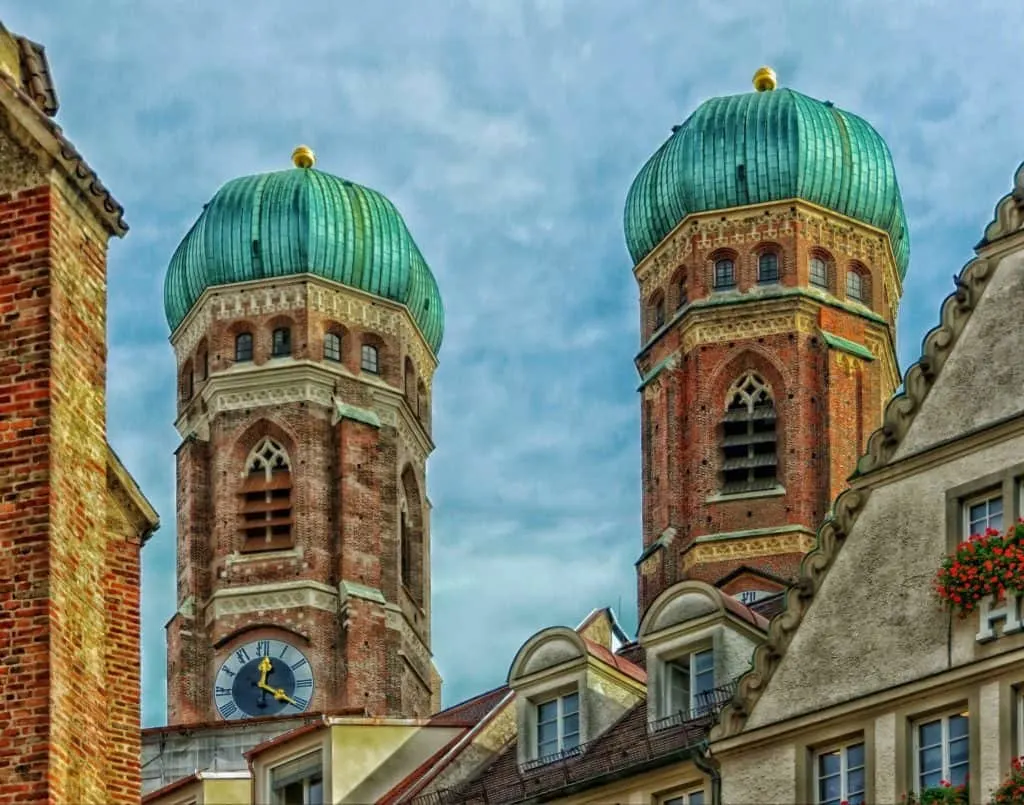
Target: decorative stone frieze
{"type": "Point", "coordinates": [272, 596]}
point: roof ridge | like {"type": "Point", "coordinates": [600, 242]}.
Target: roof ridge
{"type": "Point", "coordinates": [900, 413]}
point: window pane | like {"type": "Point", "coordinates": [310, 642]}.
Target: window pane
{"type": "Point", "coordinates": [855, 781]}
{"type": "Point", "coordinates": [829, 764]}
{"type": "Point", "coordinates": [316, 793]}
{"type": "Point", "coordinates": [958, 726]}
{"type": "Point", "coordinates": [704, 660]}
{"type": "Point", "coordinates": [819, 273]}
{"type": "Point", "coordinates": [768, 268]}
{"type": "Point", "coordinates": [548, 711]}
{"type": "Point", "coordinates": [570, 703]}
{"type": "Point", "coordinates": [855, 756]}
{"type": "Point", "coordinates": [930, 734]}
{"type": "Point", "coordinates": [958, 773]}
{"type": "Point", "coordinates": [830, 788]}
{"type": "Point", "coordinates": [546, 748]}
{"type": "Point", "coordinates": [930, 779]}
{"type": "Point", "coordinates": [696, 798]}
{"type": "Point", "coordinates": [958, 751]}
{"type": "Point", "coordinates": [332, 347]}
{"type": "Point", "coordinates": [570, 740]}
{"type": "Point", "coordinates": [547, 732]}
{"type": "Point", "coordinates": [571, 724]}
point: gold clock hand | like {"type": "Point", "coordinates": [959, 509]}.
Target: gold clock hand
{"type": "Point", "coordinates": [281, 696]}
{"type": "Point", "coordinates": [265, 667]}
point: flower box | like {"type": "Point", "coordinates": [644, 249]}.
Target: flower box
{"type": "Point", "coordinates": [985, 566]}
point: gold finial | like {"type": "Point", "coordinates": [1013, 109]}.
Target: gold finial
{"type": "Point", "coordinates": [303, 157]}
{"type": "Point", "coordinates": [765, 80]}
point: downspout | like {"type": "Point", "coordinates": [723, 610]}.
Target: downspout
{"type": "Point", "coordinates": [707, 763]}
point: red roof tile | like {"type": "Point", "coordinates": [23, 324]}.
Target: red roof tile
{"type": "Point", "coordinates": [744, 612]}
{"type": "Point", "coordinates": [621, 663]}
{"type": "Point", "coordinates": [471, 711]}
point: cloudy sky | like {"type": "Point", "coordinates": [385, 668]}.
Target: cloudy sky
{"type": "Point", "coordinates": [507, 132]}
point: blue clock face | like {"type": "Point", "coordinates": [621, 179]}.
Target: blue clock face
{"type": "Point", "coordinates": [263, 678]}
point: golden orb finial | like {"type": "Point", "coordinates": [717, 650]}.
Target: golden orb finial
{"type": "Point", "coordinates": [765, 80]}
{"type": "Point", "coordinates": [303, 157]}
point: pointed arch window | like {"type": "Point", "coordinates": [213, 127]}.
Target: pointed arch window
{"type": "Point", "coordinates": [768, 268]}
{"type": "Point", "coordinates": [681, 298]}
{"type": "Point", "coordinates": [266, 512]}
{"type": "Point", "coordinates": [405, 549]}
{"type": "Point", "coordinates": [749, 450]}
{"type": "Point", "coordinates": [659, 312]}
{"type": "Point", "coordinates": [243, 347]}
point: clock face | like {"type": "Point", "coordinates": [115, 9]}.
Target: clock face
{"type": "Point", "coordinates": [263, 678]}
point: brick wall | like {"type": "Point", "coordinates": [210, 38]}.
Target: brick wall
{"type": "Point", "coordinates": [827, 401]}
{"type": "Point", "coordinates": [68, 650]}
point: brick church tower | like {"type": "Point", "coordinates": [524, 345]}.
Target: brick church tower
{"type": "Point", "coordinates": [306, 326]}
{"type": "Point", "coordinates": [770, 244]}
{"type": "Point", "coordinates": [72, 521]}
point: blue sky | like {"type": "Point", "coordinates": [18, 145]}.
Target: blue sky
{"type": "Point", "coordinates": [507, 132]}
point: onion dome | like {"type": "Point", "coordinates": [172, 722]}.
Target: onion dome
{"type": "Point", "coordinates": [762, 146]}
{"type": "Point", "coordinates": [303, 221]}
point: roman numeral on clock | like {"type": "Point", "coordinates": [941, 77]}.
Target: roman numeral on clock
{"type": "Point", "coordinates": [228, 709]}
{"type": "Point", "coordinates": [263, 648]}
{"type": "Point", "coordinates": [304, 683]}
{"type": "Point", "coordinates": [223, 691]}
{"type": "Point", "coordinates": [301, 703]}
{"type": "Point", "coordinates": [242, 655]}
{"type": "Point", "coordinates": [298, 664]}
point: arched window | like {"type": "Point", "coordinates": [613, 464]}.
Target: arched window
{"type": "Point", "coordinates": [204, 365]}
{"type": "Point", "coordinates": [332, 347]}
{"type": "Point", "coordinates": [854, 285]}
{"type": "Point", "coordinates": [266, 515]}
{"type": "Point", "coordinates": [281, 345]}
{"type": "Point", "coordinates": [185, 386]}
{"type": "Point", "coordinates": [405, 548]}
{"type": "Point", "coordinates": [412, 547]}
{"type": "Point", "coordinates": [768, 267]}
{"type": "Point", "coordinates": [410, 382]}
{"type": "Point", "coordinates": [681, 297]}
{"type": "Point", "coordinates": [819, 272]}
{"type": "Point", "coordinates": [749, 461]}
{"type": "Point", "coordinates": [243, 347]}
{"type": "Point", "coordinates": [370, 360]}
{"type": "Point", "coordinates": [423, 405]}
{"type": "Point", "coordinates": [659, 312]}
{"type": "Point", "coordinates": [725, 274]}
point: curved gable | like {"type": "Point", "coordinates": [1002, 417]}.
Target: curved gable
{"type": "Point", "coordinates": [548, 648]}
{"type": "Point", "coordinates": [678, 604]}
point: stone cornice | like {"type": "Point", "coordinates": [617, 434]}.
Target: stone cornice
{"type": "Point", "coordinates": [668, 255]}
{"type": "Point", "coordinates": [125, 493]}
{"type": "Point", "coordinates": [349, 306]}
{"type": "Point", "coordinates": [899, 415]}
{"type": "Point", "coordinates": [264, 597]}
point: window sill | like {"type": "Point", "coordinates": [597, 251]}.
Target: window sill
{"type": "Point", "coordinates": [725, 497]}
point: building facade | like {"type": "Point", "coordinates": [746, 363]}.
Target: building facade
{"type": "Point", "coordinates": [72, 520]}
{"type": "Point", "coordinates": [770, 246]}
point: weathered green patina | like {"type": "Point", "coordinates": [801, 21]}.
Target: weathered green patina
{"type": "Point", "coordinates": [297, 221]}
{"type": "Point", "coordinates": [767, 146]}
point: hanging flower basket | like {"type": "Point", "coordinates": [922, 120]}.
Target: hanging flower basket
{"type": "Point", "coordinates": [1011, 792]}
{"type": "Point", "coordinates": [985, 566]}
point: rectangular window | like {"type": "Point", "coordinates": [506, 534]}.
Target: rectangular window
{"type": "Point", "coordinates": [558, 725]}
{"type": "Point", "coordinates": [695, 797]}
{"type": "Point", "coordinates": [687, 679]}
{"type": "Point", "coordinates": [332, 347]}
{"type": "Point", "coordinates": [282, 343]}
{"type": "Point", "coordinates": [839, 776]}
{"type": "Point", "coordinates": [768, 267]}
{"type": "Point", "coordinates": [983, 512]}
{"type": "Point", "coordinates": [298, 782]}
{"type": "Point", "coordinates": [941, 751]}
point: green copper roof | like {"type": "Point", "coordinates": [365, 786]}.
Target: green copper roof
{"type": "Point", "coordinates": [766, 146]}
{"type": "Point", "coordinates": [303, 220]}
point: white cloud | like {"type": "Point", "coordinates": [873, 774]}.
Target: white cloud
{"type": "Point", "coordinates": [507, 134]}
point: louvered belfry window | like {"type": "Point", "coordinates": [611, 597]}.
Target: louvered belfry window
{"type": "Point", "coordinates": [749, 456]}
{"type": "Point", "coordinates": [266, 512]}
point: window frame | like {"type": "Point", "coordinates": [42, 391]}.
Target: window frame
{"type": "Point", "coordinates": [308, 768]}
{"type": "Point", "coordinates": [844, 770]}
{"type": "Point", "coordinates": [332, 347]}
{"type": "Point", "coordinates": [986, 499]}
{"type": "Point", "coordinates": [1009, 481]}
{"type": "Point", "coordinates": [810, 271]}
{"type": "Point", "coordinates": [685, 797]}
{"type": "Point", "coordinates": [855, 278]}
{"type": "Point", "coordinates": [773, 280]}
{"type": "Point", "coordinates": [560, 717]}
{"type": "Point", "coordinates": [286, 350]}
{"type": "Point", "coordinates": [659, 313]}
{"type": "Point", "coordinates": [943, 717]}
{"type": "Point", "coordinates": [673, 662]}
{"type": "Point", "coordinates": [716, 274]}
{"type": "Point", "coordinates": [364, 364]}
{"type": "Point", "coordinates": [249, 350]}
{"type": "Point", "coordinates": [682, 297]}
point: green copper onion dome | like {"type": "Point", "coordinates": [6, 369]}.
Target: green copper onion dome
{"type": "Point", "coordinates": [768, 145]}
{"type": "Point", "coordinates": [298, 221]}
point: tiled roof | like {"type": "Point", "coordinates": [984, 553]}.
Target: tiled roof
{"type": "Point", "coordinates": [471, 711]}
{"type": "Point", "coordinates": [628, 743]}
{"type": "Point", "coordinates": [770, 607]}
{"type": "Point", "coordinates": [36, 79]}
{"type": "Point", "coordinates": [635, 653]}
{"type": "Point", "coordinates": [745, 613]}
{"type": "Point", "coordinates": [618, 662]}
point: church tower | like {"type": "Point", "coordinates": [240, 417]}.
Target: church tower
{"type": "Point", "coordinates": [306, 326]}
{"type": "Point", "coordinates": [770, 244]}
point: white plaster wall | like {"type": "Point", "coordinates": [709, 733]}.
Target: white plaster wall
{"type": "Point", "coordinates": [982, 379]}
{"type": "Point", "coordinates": [885, 759]}
{"type": "Point", "coordinates": [875, 622]}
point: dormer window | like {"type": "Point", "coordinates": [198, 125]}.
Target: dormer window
{"type": "Point", "coordinates": [688, 680]}
{"type": "Point", "coordinates": [282, 343]}
{"type": "Point", "coordinates": [558, 725]}
{"type": "Point", "coordinates": [299, 781]}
